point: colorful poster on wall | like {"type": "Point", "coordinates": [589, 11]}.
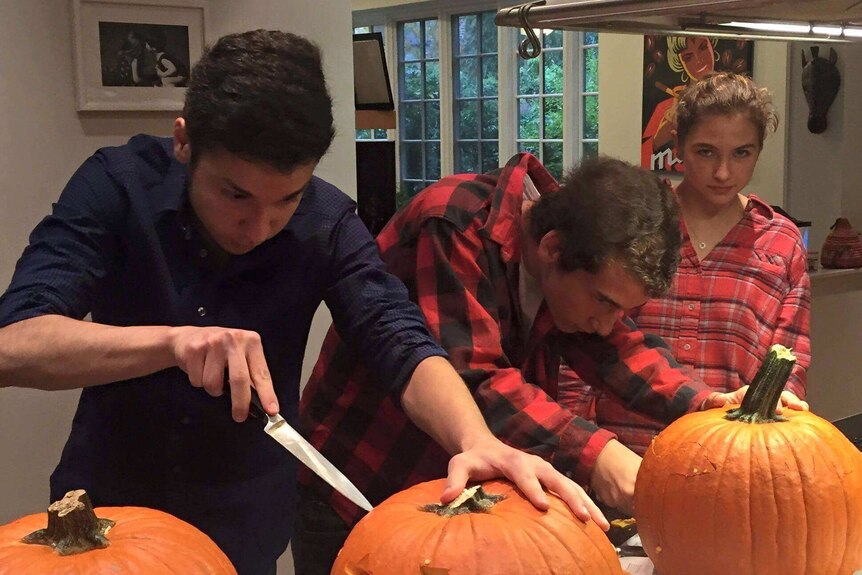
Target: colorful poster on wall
{"type": "Point", "coordinates": [670, 63]}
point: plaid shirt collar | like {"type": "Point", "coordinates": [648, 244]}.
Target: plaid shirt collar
{"type": "Point", "coordinates": [503, 223]}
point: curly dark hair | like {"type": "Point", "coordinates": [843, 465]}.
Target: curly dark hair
{"type": "Point", "coordinates": [262, 96]}
{"type": "Point", "coordinates": [607, 209]}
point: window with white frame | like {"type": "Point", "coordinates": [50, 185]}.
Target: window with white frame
{"type": "Point", "coordinates": [467, 101]}
{"type": "Point", "coordinates": [418, 105]}
{"type": "Point", "coordinates": [475, 79]}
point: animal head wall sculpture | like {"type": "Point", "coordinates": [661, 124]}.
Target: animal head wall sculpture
{"type": "Point", "coordinates": [820, 82]}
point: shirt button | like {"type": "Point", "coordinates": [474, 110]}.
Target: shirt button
{"type": "Point", "coordinates": [202, 253]}
{"type": "Point", "coordinates": [202, 311]}
{"type": "Point", "coordinates": [687, 347]}
{"type": "Point", "coordinates": [691, 306]}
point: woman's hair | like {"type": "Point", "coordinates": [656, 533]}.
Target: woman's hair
{"type": "Point", "coordinates": [722, 94]}
{"type": "Point", "coordinates": [609, 210]}
{"type": "Point", "coordinates": [675, 45]}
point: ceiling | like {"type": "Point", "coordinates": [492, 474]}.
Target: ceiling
{"type": "Point", "coordinates": [690, 16]}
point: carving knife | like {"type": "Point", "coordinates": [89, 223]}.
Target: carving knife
{"type": "Point", "coordinates": [281, 431]}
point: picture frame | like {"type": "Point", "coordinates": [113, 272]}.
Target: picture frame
{"type": "Point", "coordinates": [135, 55]}
{"type": "Point", "coordinates": [372, 89]}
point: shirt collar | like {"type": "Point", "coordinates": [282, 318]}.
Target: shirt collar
{"type": "Point", "coordinates": [759, 207]}
{"type": "Point", "coordinates": [503, 223]}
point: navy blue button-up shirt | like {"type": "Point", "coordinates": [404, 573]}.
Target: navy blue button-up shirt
{"type": "Point", "coordinates": [121, 245]}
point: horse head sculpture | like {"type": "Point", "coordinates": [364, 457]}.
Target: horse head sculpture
{"type": "Point", "coordinates": [820, 82]}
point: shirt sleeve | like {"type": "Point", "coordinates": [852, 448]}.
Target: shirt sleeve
{"type": "Point", "coordinates": [372, 312]}
{"type": "Point", "coordinates": [69, 251]}
{"type": "Point", "coordinates": [639, 369]}
{"type": "Point", "coordinates": [792, 328]}
{"type": "Point", "coordinates": [459, 299]}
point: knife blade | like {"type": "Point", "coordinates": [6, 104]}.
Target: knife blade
{"type": "Point", "coordinates": [289, 438]}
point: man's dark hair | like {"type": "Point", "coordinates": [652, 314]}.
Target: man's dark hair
{"type": "Point", "coordinates": [260, 95]}
{"type": "Point", "coordinates": [608, 210]}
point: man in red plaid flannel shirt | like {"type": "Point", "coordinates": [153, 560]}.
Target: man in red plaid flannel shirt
{"type": "Point", "coordinates": [512, 272]}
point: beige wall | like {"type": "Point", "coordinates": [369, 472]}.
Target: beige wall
{"type": "Point", "coordinates": [43, 140]}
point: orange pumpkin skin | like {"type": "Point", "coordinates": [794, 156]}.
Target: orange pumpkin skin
{"type": "Point", "coordinates": [719, 497]}
{"type": "Point", "coordinates": [143, 541]}
{"type": "Point", "coordinates": [511, 538]}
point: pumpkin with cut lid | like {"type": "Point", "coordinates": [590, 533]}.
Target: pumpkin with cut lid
{"type": "Point", "coordinates": [745, 491]}
{"type": "Point", "coordinates": [74, 539]}
{"type": "Point", "coordinates": [490, 529]}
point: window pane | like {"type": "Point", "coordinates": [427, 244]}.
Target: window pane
{"type": "Point", "coordinates": [411, 121]}
{"type": "Point", "coordinates": [412, 40]}
{"type": "Point", "coordinates": [412, 168]}
{"type": "Point", "coordinates": [468, 120]}
{"type": "Point", "coordinates": [528, 76]}
{"type": "Point", "coordinates": [412, 81]}
{"type": "Point", "coordinates": [432, 80]}
{"type": "Point", "coordinates": [490, 122]}
{"type": "Point", "coordinates": [554, 72]}
{"type": "Point", "coordinates": [591, 38]}
{"type": "Point", "coordinates": [591, 70]}
{"type": "Point", "coordinates": [432, 161]}
{"type": "Point", "coordinates": [554, 39]}
{"type": "Point", "coordinates": [489, 33]}
{"type": "Point", "coordinates": [468, 77]}
{"type": "Point", "coordinates": [431, 39]}
{"type": "Point", "coordinates": [432, 120]}
{"type": "Point", "coordinates": [408, 190]}
{"type": "Point", "coordinates": [552, 158]}
{"type": "Point", "coordinates": [531, 147]}
{"type": "Point", "coordinates": [468, 34]}
{"type": "Point", "coordinates": [529, 117]}
{"type": "Point", "coordinates": [590, 150]}
{"type": "Point", "coordinates": [489, 75]}
{"type": "Point", "coordinates": [467, 157]}
{"type": "Point", "coordinates": [364, 134]}
{"type": "Point", "coordinates": [380, 134]}
{"type": "Point", "coordinates": [553, 118]}
{"type": "Point", "coordinates": [591, 117]}
{"type": "Point", "coordinates": [490, 156]}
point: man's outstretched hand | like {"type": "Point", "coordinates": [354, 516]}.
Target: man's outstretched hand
{"type": "Point", "coordinates": [493, 458]}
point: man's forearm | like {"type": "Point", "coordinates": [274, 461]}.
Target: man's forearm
{"type": "Point", "coordinates": [53, 352]}
{"type": "Point", "coordinates": [439, 403]}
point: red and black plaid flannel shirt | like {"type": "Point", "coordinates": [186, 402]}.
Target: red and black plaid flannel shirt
{"type": "Point", "coordinates": [456, 247]}
{"type": "Point", "coordinates": [720, 317]}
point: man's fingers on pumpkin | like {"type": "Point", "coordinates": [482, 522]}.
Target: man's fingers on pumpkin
{"type": "Point", "coordinates": [532, 489]}
{"type": "Point", "coordinates": [456, 480]}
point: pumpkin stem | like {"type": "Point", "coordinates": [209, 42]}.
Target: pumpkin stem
{"type": "Point", "coordinates": [72, 526]}
{"type": "Point", "coordinates": [471, 500]}
{"type": "Point", "coordinates": [759, 403]}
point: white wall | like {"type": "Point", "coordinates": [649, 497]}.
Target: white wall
{"type": "Point", "coordinates": [43, 140]}
{"type": "Point", "coordinates": [825, 182]}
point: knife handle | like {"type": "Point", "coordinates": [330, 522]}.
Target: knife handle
{"type": "Point", "coordinates": [255, 408]}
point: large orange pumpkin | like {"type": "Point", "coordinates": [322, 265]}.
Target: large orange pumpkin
{"type": "Point", "coordinates": [495, 532]}
{"type": "Point", "coordinates": [79, 540]}
{"type": "Point", "coordinates": [745, 492]}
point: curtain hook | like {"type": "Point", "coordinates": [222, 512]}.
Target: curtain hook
{"type": "Point", "coordinates": [530, 46]}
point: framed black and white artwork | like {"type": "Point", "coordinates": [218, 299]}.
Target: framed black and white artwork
{"type": "Point", "coordinates": [135, 54]}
